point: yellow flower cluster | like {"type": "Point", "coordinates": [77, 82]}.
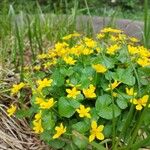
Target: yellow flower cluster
{"type": "Point", "coordinates": [88, 93]}
{"type": "Point", "coordinates": [141, 54]}
{"type": "Point", "coordinates": [84, 63]}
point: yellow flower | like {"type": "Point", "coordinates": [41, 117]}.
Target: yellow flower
{"type": "Point", "coordinates": [47, 104]}
{"type": "Point", "coordinates": [96, 132]}
{"type": "Point", "coordinates": [141, 102]}
{"type": "Point", "coordinates": [133, 39]}
{"type": "Point", "coordinates": [133, 49]}
{"type": "Point", "coordinates": [42, 56]}
{"type": "Point", "coordinates": [43, 83]}
{"type": "Point", "coordinates": [17, 87]}
{"type": "Point", "coordinates": [143, 61]}
{"type": "Point", "coordinates": [89, 93]}
{"type": "Point", "coordinates": [38, 100]}
{"type": "Point", "coordinates": [38, 116]}
{"type": "Point", "coordinates": [99, 68]}
{"type": "Point", "coordinates": [87, 51]}
{"type": "Point", "coordinates": [11, 110]}
{"type": "Point", "coordinates": [113, 85]}
{"type": "Point", "coordinates": [100, 36]}
{"type": "Point", "coordinates": [130, 92]}
{"type": "Point", "coordinates": [37, 68]}
{"type": "Point", "coordinates": [69, 60]}
{"type": "Point", "coordinates": [84, 112]}
{"type": "Point", "coordinates": [38, 126]}
{"type": "Point", "coordinates": [114, 94]}
{"type": "Point", "coordinates": [89, 42]}
{"type": "Point", "coordinates": [112, 49]}
{"type": "Point", "coordinates": [106, 30]}
{"type": "Point", "coordinates": [67, 37]}
{"type": "Point", "coordinates": [72, 92]}
{"type": "Point", "coordinates": [61, 49]}
{"type": "Point", "coordinates": [59, 131]}
{"type": "Point", "coordinates": [98, 49]}
{"type": "Point", "coordinates": [50, 63]}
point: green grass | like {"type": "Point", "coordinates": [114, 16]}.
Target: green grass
{"type": "Point", "coordinates": [24, 33]}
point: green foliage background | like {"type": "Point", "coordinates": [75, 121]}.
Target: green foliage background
{"type": "Point", "coordinates": [64, 5]}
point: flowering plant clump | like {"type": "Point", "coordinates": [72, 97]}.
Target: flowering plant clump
{"type": "Point", "coordinates": [83, 89]}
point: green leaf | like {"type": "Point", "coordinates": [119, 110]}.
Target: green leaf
{"type": "Point", "coordinates": [46, 135]}
{"type": "Point", "coordinates": [108, 130]}
{"type": "Point", "coordinates": [84, 81]}
{"type": "Point", "coordinates": [88, 71]}
{"type": "Point", "coordinates": [122, 102]}
{"type": "Point", "coordinates": [94, 114]}
{"type": "Point", "coordinates": [105, 107]}
{"type": "Point", "coordinates": [40, 75]}
{"type": "Point", "coordinates": [123, 57]}
{"type": "Point", "coordinates": [74, 103]}
{"type": "Point", "coordinates": [70, 146]}
{"type": "Point", "coordinates": [48, 121]}
{"type": "Point", "coordinates": [80, 143]}
{"type": "Point", "coordinates": [66, 71]}
{"type": "Point", "coordinates": [22, 113]}
{"type": "Point", "coordinates": [58, 78]}
{"type": "Point", "coordinates": [124, 75]}
{"type": "Point", "coordinates": [106, 61]}
{"type": "Point", "coordinates": [81, 126]}
{"type": "Point", "coordinates": [144, 75]}
{"type": "Point", "coordinates": [57, 144]}
{"type": "Point", "coordinates": [64, 108]}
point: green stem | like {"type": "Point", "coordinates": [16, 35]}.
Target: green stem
{"type": "Point", "coordinates": [126, 125]}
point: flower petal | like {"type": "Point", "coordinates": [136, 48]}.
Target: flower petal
{"type": "Point", "coordinates": [91, 137]}
{"type": "Point", "coordinates": [94, 124]}
{"type": "Point", "coordinates": [100, 136]}
{"type": "Point", "coordinates": [138, 107]}
{"type": "Point", "coordinates": [100, 128]}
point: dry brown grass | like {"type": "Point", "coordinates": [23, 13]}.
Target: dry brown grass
{"type": "Point", "coordinates": [16, 134]}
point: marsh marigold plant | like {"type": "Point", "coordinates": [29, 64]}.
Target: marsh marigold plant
{"type": "Point", "coordinates": [88, 92]}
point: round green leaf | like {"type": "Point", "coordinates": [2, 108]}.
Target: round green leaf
{"type": "Point", "coordinates": [80, 143]}
{"type": "Point", "coordinates": [65, 109]}
{"type": "Point", "coordinates": [122, 102]}
{"type": "Point", "coordinates": [105, 107]}
{"type": "Point", "coordinates": [81, 126]}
